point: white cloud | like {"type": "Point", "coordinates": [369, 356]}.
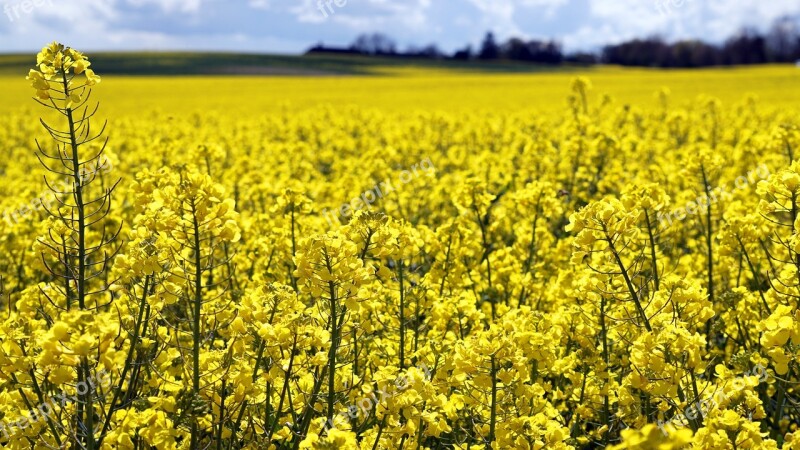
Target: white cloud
{"type": "Point", "coordinates": [93, 24]}
{"type": "Point", "coordinates": [501, 15]}
{"type": "Point", "coordinates": [497, 15]}
{"type": "Point", "coordinates": [169, 6]}
{"type": "Point", "coordinates": [591, 37]}
{"type": "Point", "coordinates": [369, 15]}
{"type": "Point", "coordinates": [260, 4]}
{"type": "Point", "coordinates": [679, 19]}
{"type": "Point", "coordinates": [550, 6]}
{"type": "Point", "coordinates": [582, 24]}
{"type": "Point", "coordinates": [729, 16]}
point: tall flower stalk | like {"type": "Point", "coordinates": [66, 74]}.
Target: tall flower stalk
{"type": "Point", "coordinates": [78, 252]}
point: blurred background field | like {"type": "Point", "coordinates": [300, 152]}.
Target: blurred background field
{"type": "Point", "coordinates": [179, 83]}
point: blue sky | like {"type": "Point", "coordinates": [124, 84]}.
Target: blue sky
{"type": "Point", "coordinates": [291, 26]}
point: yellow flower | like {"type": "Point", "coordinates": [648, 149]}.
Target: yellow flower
{"type": "Point", "coordinates": [81, 65]}
{"type": "Point", "coordinates": [91, 77]}
{"type": "Point", "coordinates": [84, 345]}
{"type": "Point", "coordinates": [61, 331]}
{"type": "Point", "coordinates": [37, 80]}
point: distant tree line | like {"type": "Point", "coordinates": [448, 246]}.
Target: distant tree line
{"type": "Point", "coordinates": [780, 44]}
{"type": "Point", "coordinates": [515, 49]}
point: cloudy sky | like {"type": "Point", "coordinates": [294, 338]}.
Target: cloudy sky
{"type": "Point", "coordinates": [290, 26]}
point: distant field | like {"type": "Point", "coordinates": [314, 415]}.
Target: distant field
{"type": "Point", "coordinates": [180, 83]}
{"type": "Point", "coordinates": [179, 63]}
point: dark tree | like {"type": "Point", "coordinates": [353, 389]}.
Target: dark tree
{"type": "Point", "coordinates": [783, 40]}
{"type": "Point", "coordinates": [464, 54]}
{"type": "Point", "coordinates": [693, 54]}
{"type": "Point", "coordinates": [546, 52]}
{"type": "Point", "coordinates": [374, 44]}
{"type": "Point", "coordinates": [581, 58]}
{"type": "Point", "coordinates": [542, 52]}
{"type": "Point", "coordinates": [489, 48]}
{"type": "Point", "coordinates": [780, 44]}
{"type": "Point", "coordinates": [517, 49]}
{"type": "Point", "coordinates": [639, 52]}
{"type": "Point", "coordinates": [747, 47]}
{"type": "Point", "coordinates": [430, 51]}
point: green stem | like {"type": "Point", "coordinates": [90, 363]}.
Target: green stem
{"type": "Point", "coordinates": [334, 344]}
{"type": "Point", "coordinates": [709, 236]}
{"type": "Point", "coordinates": [493, 417]}
{"type": "Point", "coordinates": [221, 415]}
{"type": "Point", "coordinates": [87, 402]}
{"type": "Point", "coordinates": [628, 283]}
{"type": "Point", "coordinates": [284, 389]}
{"type": "Point", "coordinates": [128, 361]}
{"type": "Point", "coordinates": [653, 259]}
{"type": "Point", "coordinates": [402, 318]}
{"type": "Point", "coordinates": [755, 274]}
{"type": "Point", "coordinates": [198, 301]}
{"type": "Point", "coordinates": [76, 175]}
{"type": "Point", "coordinates": [604, 337]}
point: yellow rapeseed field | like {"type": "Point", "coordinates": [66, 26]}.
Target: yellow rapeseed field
{"type": "Point", "coordinates": [416, 259]}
